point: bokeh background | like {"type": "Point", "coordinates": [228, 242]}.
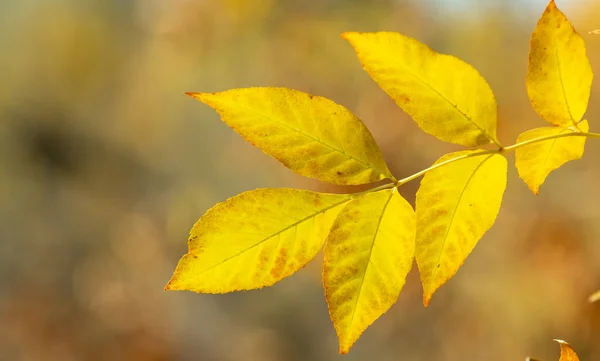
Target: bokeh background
{"type": "Point", "coordinates": [105, 165]}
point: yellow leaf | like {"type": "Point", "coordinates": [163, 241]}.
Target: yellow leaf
{"type": "Point", "coordinates": [566, 352]}
{"type": "Point", "coordinates": [594, 297]}
{"type": "Point", "coordinates": [560, 76]}
{"type": "Point", "coordinates": [536, 160]}
{"type": "Point", "coordinates": [368, 254]}
{"type": "Point", "coordinates": [455, 206]}
{"type": "Point", "coordinates": [447, 97]}
{"type": "Point", "coordinates": [255, 239]}
{"type": "Point", "coordinates": [311, 135]}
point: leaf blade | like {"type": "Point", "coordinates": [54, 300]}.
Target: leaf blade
{"type": "Point", "coordinates": [252, 240]}
{"type": "Point", "coordinates": [536, 161]}
{"type": "Point", "coordinates": [376, 251]}
{"type": "Point", "coordinates": [455, 206]}
{"type": "Point", "coordinates": [445, 96]}
{"type": "Point", "coordinates": [311, 135]}
{"type": "Point", "coordinates": [559, 76]}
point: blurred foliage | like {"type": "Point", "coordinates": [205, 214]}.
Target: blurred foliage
{"type": "Point", "coordinates": [105, 165]}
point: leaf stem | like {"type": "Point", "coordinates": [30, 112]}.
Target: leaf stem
{"type": "Point", "coordinates": [574, 133]}
{"type": "Point", "coordinates": [460, 157]}
{"type": "Point", "coordinates": [379, 188]}
{"type": "Point", "coordinates": [541, 139]}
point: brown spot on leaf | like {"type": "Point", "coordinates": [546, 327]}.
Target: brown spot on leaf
{"type": "Point", "coordinates": [404, 98]}
{"type": "Point", "coordinates": [280, 263]}
{"type": "Point", "coordinates": [263, 258]}
{"type": "Point", "coordinates": [343, 295]}
{"type": "Point", "coordinates": [317, 202]}
{"type": "Point", "coordinates": [352, 271]}
{"type": "Point", "coordinates": [441, 213]}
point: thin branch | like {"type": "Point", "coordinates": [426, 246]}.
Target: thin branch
{"type": "Point", "coordinates": [574, 133]}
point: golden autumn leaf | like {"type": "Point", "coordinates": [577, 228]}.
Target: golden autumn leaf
{"type": "Point", "coordinates": [566, 352]}
{"type": "Point", "coordinates": [594, 297]}
{"type": "Point", "coordinates": [311, 135]}
{"type": "Point", "coordinates": [447, 97]}
{"type": "Point", "coordinates": [559, 78]}
{"type": "Point", "coordinates": [535, 161]}
{"type": "Point", "coordinates": [455, 206]}
{"type": "Point", "coordinates": [368, 254]}
{"type": "Point", "coordinates": [255, 239]}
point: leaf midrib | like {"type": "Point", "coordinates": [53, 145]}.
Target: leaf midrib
{"type": "Point", "coordinates": [560, 77]}
{"type": "Point", "coordinates": [445, 240]}
{"type": "Point", "coordinates": [454, 106]}
{"type": "Point", "coordinates": [276, 234]}
{"type": "Point", "coordinates": [362, 281]}
{"type": "Point", "coordinates": [274, 120]}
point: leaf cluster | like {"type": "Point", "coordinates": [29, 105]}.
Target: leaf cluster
{"type": "Point", "coordinates": [370, 239]}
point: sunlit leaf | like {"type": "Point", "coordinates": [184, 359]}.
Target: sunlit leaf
{"type": "Point", "coordinates": [566, 352]}
{"type": "Point", "coordinates": [311, 135]}
{"type": "Point", "coordinates": [255, 239]}
{"type": "Point", "coordinates": [560, 76]}
{"type": "Point", "coordinates": [455, 205]}
{"type": "Point", "coordinates": [447, 97]}
{"type": "Point", "coordinates": [368, 254]}
{"type": "Point", "coordinates": [536, 160]}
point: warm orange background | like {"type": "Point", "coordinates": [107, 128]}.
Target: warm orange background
{"type": "Point", "coordinates": [105, 165]}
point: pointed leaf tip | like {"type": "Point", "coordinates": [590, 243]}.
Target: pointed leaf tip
{"type": "Point", "coordinates": [566, 351]}
{"type": "Point", "coordinates": [455, 206]}
{"type": "Point", "coordinates": [426, 299]}
{"type": "Point", "coordinates": [368, 254]}
{"type": "Point", "coordinates": [559, 76]}
{"type": "Point", "coordinates": [272, 232]}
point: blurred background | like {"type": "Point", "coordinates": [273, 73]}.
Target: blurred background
{"type": "Point", "coordinates": [105, 165]}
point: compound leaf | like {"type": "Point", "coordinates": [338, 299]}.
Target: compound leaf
{"type": "Point", "coordinates": [255, 239]}
{"type": "Point", "coordinates": [566, 352]}
{"type": "Point", "coordinates": [447, 97]}
{"type": "Point", "coordinates": [455, 205]}
{"type": "Point", "coordinates": [535, 161]}
{"type": "Point", "coordinates": [560, 76]}
{"type": "Point", "coordinates": [368, 254]}
{"type": "Point", "coordinates": [311, 135]}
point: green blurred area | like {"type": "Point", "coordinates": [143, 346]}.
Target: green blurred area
{"type": "Point", "coordinates": [105, 165]}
